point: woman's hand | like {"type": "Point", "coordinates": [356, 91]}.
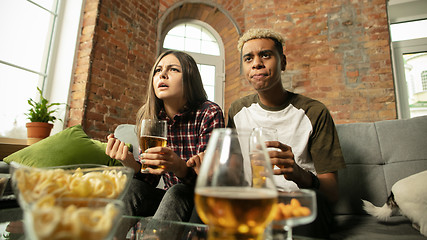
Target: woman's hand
{"type": "Point", "coordinates": [195, 162]}
{"type": "Point", "coordinates": [118, 150]}
{"type": "Point", "coordinates": [164, 156]}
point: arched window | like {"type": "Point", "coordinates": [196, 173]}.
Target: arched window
{"type": "Point", "coordinates": [203, 43]}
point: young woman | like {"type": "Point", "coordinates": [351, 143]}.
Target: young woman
{"type": "Point", "coordinates": [175, 94]}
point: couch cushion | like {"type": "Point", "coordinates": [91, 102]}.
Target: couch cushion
{"type": "Point", "coordinates": [359, 143]}
{"type": "Point", "coordinates": [403, 147]}
{"type": "Point", "coordinates": [4, 167]}
{"type": "Point", "coordinates": [367, 227]}
{"type": "Point", "coordinates": [377, 155]}
{"type": "Point", "coordinates": [358, 182]}
{"type": "Point", "coordinates": [363, 176]}
{"type": "Point", "coordinates": [68, 147]}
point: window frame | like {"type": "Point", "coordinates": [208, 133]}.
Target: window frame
{"type": "Point", "coordinates": [58, 63]}
{"type": "Point", "coordinates": [399, 48]}
{"type": "Point", "coordinates": [400, 11]}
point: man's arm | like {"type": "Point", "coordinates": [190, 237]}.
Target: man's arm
{"type": "Point", "coordinates": [329, 186]}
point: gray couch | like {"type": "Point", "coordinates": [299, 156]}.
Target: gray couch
{"type": "Point", "coordinates": [377, 155]}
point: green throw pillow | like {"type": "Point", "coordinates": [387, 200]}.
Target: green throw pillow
{"type": "Point", "coordinates": [68, 147]}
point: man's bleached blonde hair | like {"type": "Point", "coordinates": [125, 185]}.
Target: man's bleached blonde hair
{"type": "Point", "coordinates": [257, 33]}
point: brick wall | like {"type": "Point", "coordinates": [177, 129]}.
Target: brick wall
{"type": "Point", "coordinates": [116, 51]}
{"type": "Point", "coordinates": [338, 52]}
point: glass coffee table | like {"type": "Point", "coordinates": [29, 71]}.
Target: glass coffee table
{"type": "Point", "coordinates": [147, 228]}
{"type": "Point", "coordinates": [130, 228]}
{"type": "Point", "coordinates": [11, 227]}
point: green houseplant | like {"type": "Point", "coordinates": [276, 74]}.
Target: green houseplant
{"type": "Point", "coordinates": [41, 119]}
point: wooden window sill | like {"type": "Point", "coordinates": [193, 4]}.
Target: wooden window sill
{"type": "Point", "coordinates": [11, 145]}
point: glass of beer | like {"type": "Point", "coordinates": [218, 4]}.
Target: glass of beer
{"type": "Point", "coordinates": [269, 134]}
{"type": "Point", "coordinates": [226, 197]}
{"type": "Point", "coordinates": [153, 134]}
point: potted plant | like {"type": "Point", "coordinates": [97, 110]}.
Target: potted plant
{"type": "Point", "coordinates": [41, 119]}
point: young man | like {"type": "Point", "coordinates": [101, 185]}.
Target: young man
{"type": "Point", "coordinates": [310, 153]}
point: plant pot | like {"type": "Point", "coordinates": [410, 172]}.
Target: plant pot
{"type": "Point", "coordinates": [37, 131]}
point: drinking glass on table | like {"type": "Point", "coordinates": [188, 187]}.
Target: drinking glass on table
{"type": "Point", "coordinates": [294, 209]}
{"type": "Point", "coordinates": [232, 207]}
{"type": "Point", "coordinates": [153, 134]}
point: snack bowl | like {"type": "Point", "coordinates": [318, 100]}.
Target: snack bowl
{"type": "Point", "coordinates": [73, 181]}
{"type": "Point", "coordinates": [72, 218]}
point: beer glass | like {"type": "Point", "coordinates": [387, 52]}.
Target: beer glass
{"type": "Point", "coordinates": [226, 200]}
{"type": "Point", "coordinates": [268, 134]}
{"type": "Point", "coordinates": [153, 134]}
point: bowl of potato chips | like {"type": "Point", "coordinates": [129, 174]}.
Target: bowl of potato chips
{"type": "Point", "coordinates": [72, 218]}
{"type": "Point", "coordinates": [30, 184]}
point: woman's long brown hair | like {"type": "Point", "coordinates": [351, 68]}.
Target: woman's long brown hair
{"type": "Point", "coordinates": [194, 92]}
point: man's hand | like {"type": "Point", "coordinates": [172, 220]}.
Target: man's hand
{"type": "Point", "coordinates": [285, 160]}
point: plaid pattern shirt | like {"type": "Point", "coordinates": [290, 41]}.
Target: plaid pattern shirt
{"type": "Point", "coordinates": [188, 135]}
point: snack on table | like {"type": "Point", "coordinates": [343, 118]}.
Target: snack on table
{"type": "Point", "coordinates": [67, 219]}
{"type": "Point", "coordinates": [294, 209]}
{"type": "Point", "coordinates": [34, 183]}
